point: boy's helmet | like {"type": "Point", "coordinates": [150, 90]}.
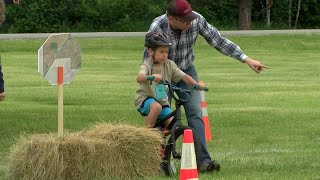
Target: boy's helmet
{"type": "Point", "coordinates": [155, 39]}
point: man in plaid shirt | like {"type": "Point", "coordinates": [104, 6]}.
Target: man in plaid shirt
{"type": "Point", "coordinates": [183, 26]}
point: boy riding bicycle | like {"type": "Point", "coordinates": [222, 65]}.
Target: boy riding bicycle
{"type": "Point", "coordinates": [151, 97]}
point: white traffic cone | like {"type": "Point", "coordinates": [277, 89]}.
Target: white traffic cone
{"type": "Point", "coordinates": [205, 117]}
{"type": "Point", "coordinates": [188, 169]}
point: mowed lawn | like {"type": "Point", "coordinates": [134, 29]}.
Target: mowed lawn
{"type": "Point", "coordinates": [264, 126]}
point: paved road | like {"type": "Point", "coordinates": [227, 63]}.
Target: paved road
{"type": "Point", "coordinates": [133, 34]}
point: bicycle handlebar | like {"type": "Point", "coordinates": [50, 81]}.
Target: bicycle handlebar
{"type": "Point", "coordinates": [178, 97]}
{"type": "Point", "coordinates": [180, 92]}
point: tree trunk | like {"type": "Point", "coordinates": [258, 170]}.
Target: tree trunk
{"type": "Point", "coordinates": [244, 17]}
{"type": "Point", "coordinates": [289, 12]}
{"type": "Point", "coordinates": [297, 16]}
{"type": "Point", "coordinates": [2, 10]}
{"type": "Point", "coordinates": [268, 12]}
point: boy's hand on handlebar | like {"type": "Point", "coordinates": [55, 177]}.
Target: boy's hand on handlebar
{"type": "Point", "coordinates": [157, 77]}
{"type": "Point", "coordinates": [154, 77]}
{"type": "Point", "coordinates": [200, 86]}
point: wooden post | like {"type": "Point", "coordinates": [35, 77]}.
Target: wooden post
{"type": "Point", "coordinates": [60, 100]}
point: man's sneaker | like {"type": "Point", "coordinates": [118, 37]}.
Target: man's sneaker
{"type": "Point", "coordinates": [209, 166]}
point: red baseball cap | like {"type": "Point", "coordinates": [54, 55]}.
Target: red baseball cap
{"type": "Point", "coordinates": [182, 10]}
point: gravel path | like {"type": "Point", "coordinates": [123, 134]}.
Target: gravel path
{"type": "Point", "coordinates": [133, 34]}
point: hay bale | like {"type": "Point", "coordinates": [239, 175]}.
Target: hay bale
{"type": "Point", "coordinates": [137, 148]}
{"type": "Point", "coordinates": [102, 152]}
{"type": "Point", "coordinates": [52, 157]}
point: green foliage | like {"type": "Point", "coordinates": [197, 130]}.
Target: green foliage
{"type": "Point", "coordinates": [37, 16]}
{"type": "Point", "coordinates": [310, 14]}
{"type": "Point", "coordinates": [82, 15]}
{"type": "Point", "coordinates": [221, 13]}
{"type": "Point", "coordinates": [114, 15]}
{"type": "Point", "coordinates": [136, 15]}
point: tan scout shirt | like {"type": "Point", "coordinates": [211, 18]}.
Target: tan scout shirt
{"type": "Point", "coordinates": [169, 72]}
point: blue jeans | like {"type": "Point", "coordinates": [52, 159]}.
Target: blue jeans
{"type": "Point", "coordinates": [194, 114]}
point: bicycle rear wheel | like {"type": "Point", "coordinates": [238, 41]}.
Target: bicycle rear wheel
{"type": "Point", "coordinates": [171, 164]}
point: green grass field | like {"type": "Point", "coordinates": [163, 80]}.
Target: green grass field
{"type": "Point", "coordinates": [264, 126]}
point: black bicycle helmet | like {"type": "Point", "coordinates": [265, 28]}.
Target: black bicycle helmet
{"type": "Point", "coordinates": [155, 39]}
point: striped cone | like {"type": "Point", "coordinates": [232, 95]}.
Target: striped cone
{"type": "Point", "coordinates": [205, 117]}
{"type": "Point", "coordinates": [188, 169]}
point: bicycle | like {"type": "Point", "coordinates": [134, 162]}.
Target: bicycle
{"type": "Point", "coordinates": [172, 152]}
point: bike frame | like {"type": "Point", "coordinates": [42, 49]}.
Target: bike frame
{"type": "Point", "coordinates": [176, 121]}
{"type": "Point", "coordinates": [181, 96]}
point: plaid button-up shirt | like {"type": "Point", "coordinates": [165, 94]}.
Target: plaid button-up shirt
{"type": "Point", "coordinates": [181, 51]}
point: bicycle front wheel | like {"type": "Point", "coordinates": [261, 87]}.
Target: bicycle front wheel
{"type": "Point", "coordinates": [171, 164]}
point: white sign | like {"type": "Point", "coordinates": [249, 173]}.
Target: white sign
{"type": "Point", "coordinates": [59, 50]}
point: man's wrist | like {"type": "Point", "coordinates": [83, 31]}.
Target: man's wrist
{"type": "Point", "coordinates": [243, 57]}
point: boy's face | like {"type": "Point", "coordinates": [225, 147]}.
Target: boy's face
{"type": "Point", "coordinates": [160, 54]}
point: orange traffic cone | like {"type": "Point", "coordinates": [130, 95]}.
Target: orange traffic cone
{"type": "Point", "coordinates": [205, 117]}
{"type": "Point", "coordinates": [188, 169]}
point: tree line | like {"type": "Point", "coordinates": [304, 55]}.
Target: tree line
{"type": "Point", "coordinates": [34, 16]}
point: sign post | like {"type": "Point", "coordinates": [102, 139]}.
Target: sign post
{"type": "Point", "coordinates": [60, 100]}
{"type": "Point", "coordinates": [59, 60]}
